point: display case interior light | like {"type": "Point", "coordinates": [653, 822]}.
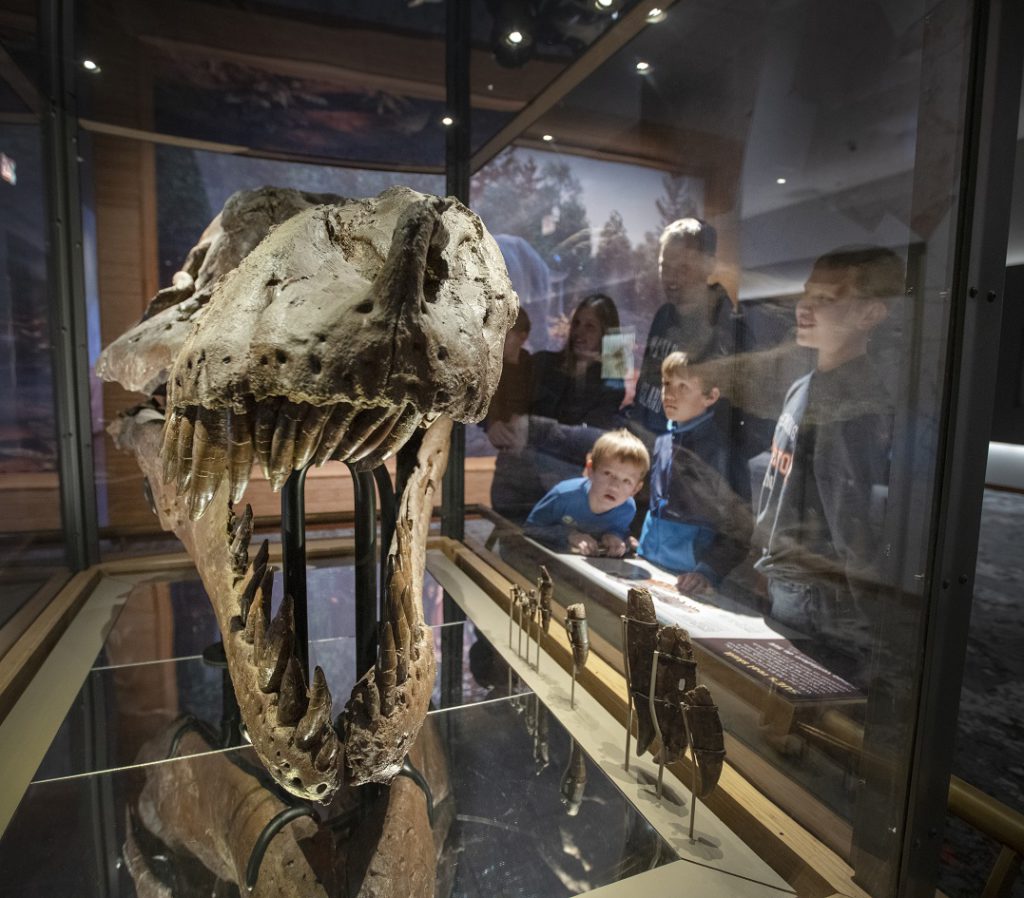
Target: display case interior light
{"type": "Point", "coordinates": [514, 37]}
{"type": "Point", "coordinates": [643, 67]}
{"type": "Point", "coordinates": [780, 180]}
{"type": "Point", "coordinates": [547, 138]}
{"type": "Point", "coordinates": [656, 15]}
{"type": "Point", "coordinates": [90, 65]}
{"type": "Point", "coordinates": [447, 121]}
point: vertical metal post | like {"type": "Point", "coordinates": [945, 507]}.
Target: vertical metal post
{"type": "Point", "coordinates": [366, 570]}
{"type": "Point", "coordinates": [293, 558]}
{"type": "Point", "coordinates": [67, 287]}
{"type": "Point", "coordinates": [388, 517]}
{"type": "Point", "coordinates": [994, 94]}
{"type": "Point", "coordinates": [457, 149]}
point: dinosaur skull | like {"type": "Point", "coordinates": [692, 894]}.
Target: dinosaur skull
{"type": "Point", "coordinates": [347, 328]}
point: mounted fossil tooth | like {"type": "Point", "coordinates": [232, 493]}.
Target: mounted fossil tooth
{"type": "Point", "coordinates": [209, 459]}
{"type": "Point", "coordinates": [258, 573]}
{"type": "Point", "coordinates": [276, 649]}
{"type": "Point", "coordinates": [546, 588]}
{"type": "Point", "coordinates": [169, 447]}
{"type": "Point", "coordinates": [365, 424]}
{"type": "Point", "coordinates": [641, 640]}
{"type": "Point", "coordinates": [263, 432]}
{"type": "Point", "coordinates": [318, 717]}
{"type": "Point", "coordinates": [282, 448]}
{"type": "Point", "coordinates": [186, 433]}
{"type": "Point", "coordinates": [677, 673]}
{"type": "Point", "coordinates": [327, 757]}
{"type": "Point", "coordinates": [255, 627]}
{"type": "Point", "coordinates": [387, 664]}
{"type": "Point", "coordinates": [308, 437]}
{"type": "Point", "coordinates": [292, 701]}
{"type": "Point", "coordinates": [579, 638]}
{"type": "Point", "coordinates": [241, 533]}
{"type": "Point", "coordinates": [705, 725]}
{"type": "Point", "coordinates": [335, 428]}
{"type": "Point", "coordinates": [240, 453]}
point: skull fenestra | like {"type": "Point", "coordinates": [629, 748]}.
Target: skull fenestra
{"type": "Point", "coordinates": [301, 330]}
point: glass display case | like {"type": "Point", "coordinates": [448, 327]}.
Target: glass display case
{"type": "Point", "coordinates": [756, 250]}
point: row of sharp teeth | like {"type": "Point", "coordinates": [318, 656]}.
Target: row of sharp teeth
{"type": "Point", "coordinates": [279, 671]}
{"type": "Point", "coordinates": [202, 446]}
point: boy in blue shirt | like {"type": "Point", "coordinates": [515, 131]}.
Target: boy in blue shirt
{"type": "Point", "coordinates": [696, 526]}
{"type": "Point", "coordinates": [590, 515]}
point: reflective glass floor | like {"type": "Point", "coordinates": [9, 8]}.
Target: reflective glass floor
{"type": "Point", "coordinates": [499, 772]}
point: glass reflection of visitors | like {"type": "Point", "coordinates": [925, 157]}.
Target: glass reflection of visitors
{"type": "Point", "coordinates": [697, 318]}
{"type": "Point", "coordinates": [591, 515]}
{"type": "Point", "coordinates": [696, 525]}
{"type": "Point", "coordinates": [569, 384]}
{"type": "Point", "coordinates": [509, 406]}
{"type": "Point", "coordinates": [817, 528]}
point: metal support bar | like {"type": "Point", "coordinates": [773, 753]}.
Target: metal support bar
{"type": "Point", "coordinates": [293, 558]}
{"type": "Point", "coordinates": [69, 333]}
{"type": "Point", "coordinates": [388, 518]}
{"type": "Point", "coordinates": [366, 570]}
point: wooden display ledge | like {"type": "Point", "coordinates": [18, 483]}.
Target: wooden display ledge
{"type": "Point", "coordinates": [804, 862]}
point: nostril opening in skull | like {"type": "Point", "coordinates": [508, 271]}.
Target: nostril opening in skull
{"type": "Point", "coordinates": [365, 306]}
{"type": "Point", "coordinates": [442, 353]}
{"type": "Point", "coordinates": [281, 356]}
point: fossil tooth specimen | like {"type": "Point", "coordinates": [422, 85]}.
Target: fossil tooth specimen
{"type": "Point", "coordinates": [579, 638]}
{"type": "Point", "coordinates": [301, 333]}
{"type": "Point", "coordinates": [676, 674]}
{"type": "Point", "coordinates": [705, 725]}
{"type": "Point", "coordinates": [574, 780]}
{"type": "Point", "coordinates": [292, 701]}
{"type": "Point", "coordinates": [276, 649]}
{"type": "Point", "coordinates": [317, 719]}
{"type": "Point", "coordinates": [546, 587]}
{"type": "Point", "coordinates": [641, 640]}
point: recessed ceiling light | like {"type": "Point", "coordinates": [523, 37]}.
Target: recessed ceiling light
{"type": "Point", "coordinates": [547, 137]}
{"type": "Point", "coordinates": [780, 180]}
{"type": "Point", "coordinates": [90, 66]}
{"type": "Point", "coordinates": [604, 4]}
{"type": "Point", "coordinates": [643, 67]}
{"type": "Point", "coordinates": [514, 37]}
{"type": "Point", "coordinates": [656, 15]}
{"type": "Point", "coordinates": [447, 121]}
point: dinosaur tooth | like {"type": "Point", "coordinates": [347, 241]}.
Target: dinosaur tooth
{"type": "Point", "coordinates": [282, 445]}
{"type": "Point", "coordinates": [706, 736]}
{"type": "Point", "coordinates": [241, 533]}
{"type": "Point", "coordinates": [185, 435]}
{"type": "Point", "coordinates": [376, 437]}
{"type": "Point", "coordinates": [404, 644]}
{"type": "Point", "coordinates": [364, 424]}
{"type": "Point", "coordinates": [255, 628]}
{"type": "Point", "coordinates": [547, 591]}
{"type": "Point", "coordinates": [308, 436]}
{"type": "Point", "coordinates": [319, 714]}
{"type": "Point", "coordinates": [579, 638]}
{"type": "Point", "coordinates": [263, 432]}
{"type": "Point", "coordinates": [169, 446]}
{"type": "Point", "coordinates": [292, 700]}
{"type": "Point", "coordinates": [641, 640]}
{"type": "Point", "coordinates": [327, 757]}
{"type": "Point", "coordinates": [276, 648]}
{"type": "Point", "coordinates": [239, 453]}
{"type": "Point", "coordinates": [334, 429]}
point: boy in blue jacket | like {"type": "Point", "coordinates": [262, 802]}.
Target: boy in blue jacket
{"type": "Point", "coordinates": [590, 515]}
{"type": "Point", "coordinates": [696, 525]}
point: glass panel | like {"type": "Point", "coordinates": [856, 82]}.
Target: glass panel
{"type": "Point", "coordinates": [737, 246]}
{"type": "Point", "coordinates": [31, 544]}
{"type": "Point", "coordinates": [497, 810]}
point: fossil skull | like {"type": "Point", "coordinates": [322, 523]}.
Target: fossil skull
{"type": "Point", "coordinates": [348, 327]}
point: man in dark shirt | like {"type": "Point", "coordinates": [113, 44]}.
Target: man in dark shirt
{"type": "Point", "coordinates": [697, 318]}
{"type": "Point", "coordinates": [817, 529]}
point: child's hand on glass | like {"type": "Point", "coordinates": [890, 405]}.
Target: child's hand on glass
{"type": "Point", "coordinates": [693, 583]}
{"type": "Point", "coordinates": [582, 543]}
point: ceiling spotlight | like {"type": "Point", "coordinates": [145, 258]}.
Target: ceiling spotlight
{"type": "Point", "coordinates": [513, 31]}
{"type": "Point", "coordinates": [643, 67]}
{"type": "Point", "coordinates": [780, 180]}
{"type": "Point", "coordinates": [90, 66]}
{"type": "Point", "coordinates": [447, 121]}
{"type": "Point", "coordinates": [547, 138]}
{"type": "Point", "coordinates": [607, 5]}
{"type": "Point", "coordinates": [515, 38]}
{"type": "Point", "coordinates": [657, 14]}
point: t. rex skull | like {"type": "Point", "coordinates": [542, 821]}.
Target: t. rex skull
{"type": "Point", "coordinates": [347, 328]}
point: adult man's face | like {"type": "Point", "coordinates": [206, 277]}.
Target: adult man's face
{"type": "Point", "coordinates": [684, 272]}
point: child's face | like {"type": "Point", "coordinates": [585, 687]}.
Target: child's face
{"type": "Point", "coordinates": [830, 315]}
{"type": "Point", "coordinates": [683, 398]}
{"type": "Point", "coordinates": [612, 482]}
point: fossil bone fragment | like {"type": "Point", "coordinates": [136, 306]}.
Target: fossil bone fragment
{"type": "Point", "coordinates": [708, 743]}
{"type": "Point", "coordinates": [677, 674]}
{"type": "Point", "coordinates": [344, 331]}
{"type": "Point", "coordinates": [641, 639]}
